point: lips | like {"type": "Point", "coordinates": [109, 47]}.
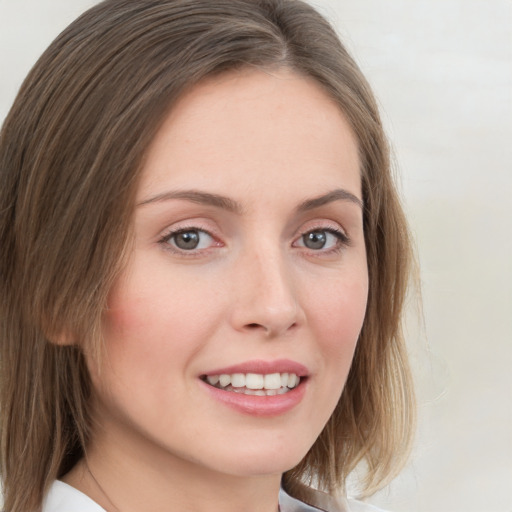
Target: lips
{"type": "Point", "coordinates": [258, 387]}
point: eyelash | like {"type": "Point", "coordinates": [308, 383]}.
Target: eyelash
{"type": "Point", "coordinates": [165, 241]}
{"type": "Point", "coordinates": [342, 241]}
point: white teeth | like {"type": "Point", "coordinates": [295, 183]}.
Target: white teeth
{"type": "Point", "coordinates": [272, 381]}
{"type": "Point", "coordinates": [212, 379]}
{"type": "Point", "coordinates": [238, 380]}
{"type": "Point", "coordinates": [293, 380]}
{"type": "Point", "coordinates": [254, 381]}
{"type": "Point", "coordinates": [249, 383]}
{"type": "Point", "coordinates": [224, 380]}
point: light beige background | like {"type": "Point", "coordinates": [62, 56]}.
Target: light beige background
{"type": "Point", "coordinates": [442, 70]}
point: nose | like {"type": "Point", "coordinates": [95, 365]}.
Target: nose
{"type": "Point", "coordinates": [266, 298]}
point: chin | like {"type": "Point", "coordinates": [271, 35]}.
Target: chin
{"type": "Point", "coordinates": [260, 462]}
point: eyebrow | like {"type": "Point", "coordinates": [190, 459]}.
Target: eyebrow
{"type": "Point", "coordinates": [230, 205]}
{"type": "Point", "coordinates": [199, 197]}
{"type": "Point", "coordinates": [338, 194]}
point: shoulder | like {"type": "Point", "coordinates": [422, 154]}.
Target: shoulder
{"type": "Point", "coordinates": [63, 498]}
{"type": "Point", "coordinates": [312, 500]}
{"type": "Point", "coordinates": [359, 506]}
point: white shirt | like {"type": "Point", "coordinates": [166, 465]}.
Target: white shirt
{"type": "Point", "coordinates": [64, 498]}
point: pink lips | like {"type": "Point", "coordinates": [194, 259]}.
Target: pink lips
{"type": "Point", "coordinates": [260, 366]}
{"type": "Point", "coordinates": [260, 406]}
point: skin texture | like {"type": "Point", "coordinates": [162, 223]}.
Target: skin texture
{"type": "Point", "coordinates": [252, 290]}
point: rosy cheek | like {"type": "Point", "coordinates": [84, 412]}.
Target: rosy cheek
{"type": "Point", "coordinates": [121, 318]}
{"type": "Point", "coordinates": [341, 318]}
{"type": "Point", "coordinates": [128, 310]}
{"type": "Point", "coordinates": [129, 343]}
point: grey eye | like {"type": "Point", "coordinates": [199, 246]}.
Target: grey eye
{"type": "Point", "coordinates": [322, 240]}
{"type": "Point", "coordinates": [186, 240]}
{"type": "Point", "coordinates": [315, 239]}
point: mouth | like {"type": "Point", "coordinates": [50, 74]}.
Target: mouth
{"type": "Point", "coordinates": [254, 384]}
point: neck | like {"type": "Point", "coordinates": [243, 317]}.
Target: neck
{"type": "Point", "coordinates": [132, 478]}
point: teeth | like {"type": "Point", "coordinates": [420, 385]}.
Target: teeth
{"type": "Point", "coordinates": [272, 381]}
{"type": "Point", "coordinates": [212, 379]}
{"type": "Point", "coordinates": [256, 383]}
{"type": "Point", "coordinates": [293, 380]}
{"type": "Point", "coordinates": [224, 380]}
{"type": "Point", "coordinates": [238, 380]}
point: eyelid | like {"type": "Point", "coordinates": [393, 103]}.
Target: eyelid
{"type": "Point", "coordinates": [329, 226]}
{"type": "Point", "coordinates": [340, 235]}
{"type": "Point", "coordinates": [174, 230]}
{"type": "Point", "coordinates": [322, 224]}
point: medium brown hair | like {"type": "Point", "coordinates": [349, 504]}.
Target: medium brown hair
{"type": "Point", "coordinates": [71, 152]}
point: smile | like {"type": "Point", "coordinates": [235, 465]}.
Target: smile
{"type": "Point", "coordinates": [255, 384]}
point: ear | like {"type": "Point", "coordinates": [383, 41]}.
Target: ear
{"type": "Point", "coordinates": [63, 336]}
{"type": "Point", "coordinates": [63, 339]}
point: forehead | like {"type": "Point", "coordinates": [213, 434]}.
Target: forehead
{"type": "Point", "coordinates": [253, 125]}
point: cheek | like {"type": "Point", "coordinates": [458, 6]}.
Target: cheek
{"type": "Point", "coordinates": [339, 316]}
{"type": "Point", "coordinates": [153, 315]}
{"type": "Point", "coordinates": [136, 332]}
{"type": "Point", "coordinates": [336, 317]}
{"type": "Point", "coordinates": [137, 304]}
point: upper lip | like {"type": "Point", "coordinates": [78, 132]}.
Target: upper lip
{"type": "Point", "coordinates": [263, 367]}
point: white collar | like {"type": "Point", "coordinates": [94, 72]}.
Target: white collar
{"type": "Point", "coordinates": [65, 498]}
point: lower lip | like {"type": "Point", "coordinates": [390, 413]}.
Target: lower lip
{"type": "Point", "coordinates": [259, 405]}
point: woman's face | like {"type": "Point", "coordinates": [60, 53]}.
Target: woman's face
{"type": "Point", "coordinates": [231, 331]}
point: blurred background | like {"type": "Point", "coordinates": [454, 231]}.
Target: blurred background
{"type": "Point", "coordinates": [442, 71]}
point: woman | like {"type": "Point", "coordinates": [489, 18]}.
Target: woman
{"type": "Point", "coordinates": [203, 262]}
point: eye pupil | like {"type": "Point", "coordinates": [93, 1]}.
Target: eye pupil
{"type": "Point", "coordinates": [315, 239]}
{"type": "Point", "coordinates": [187, 240]}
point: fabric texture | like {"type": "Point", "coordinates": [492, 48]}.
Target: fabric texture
{"type": "Point", "coordinates": [64, 498]}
